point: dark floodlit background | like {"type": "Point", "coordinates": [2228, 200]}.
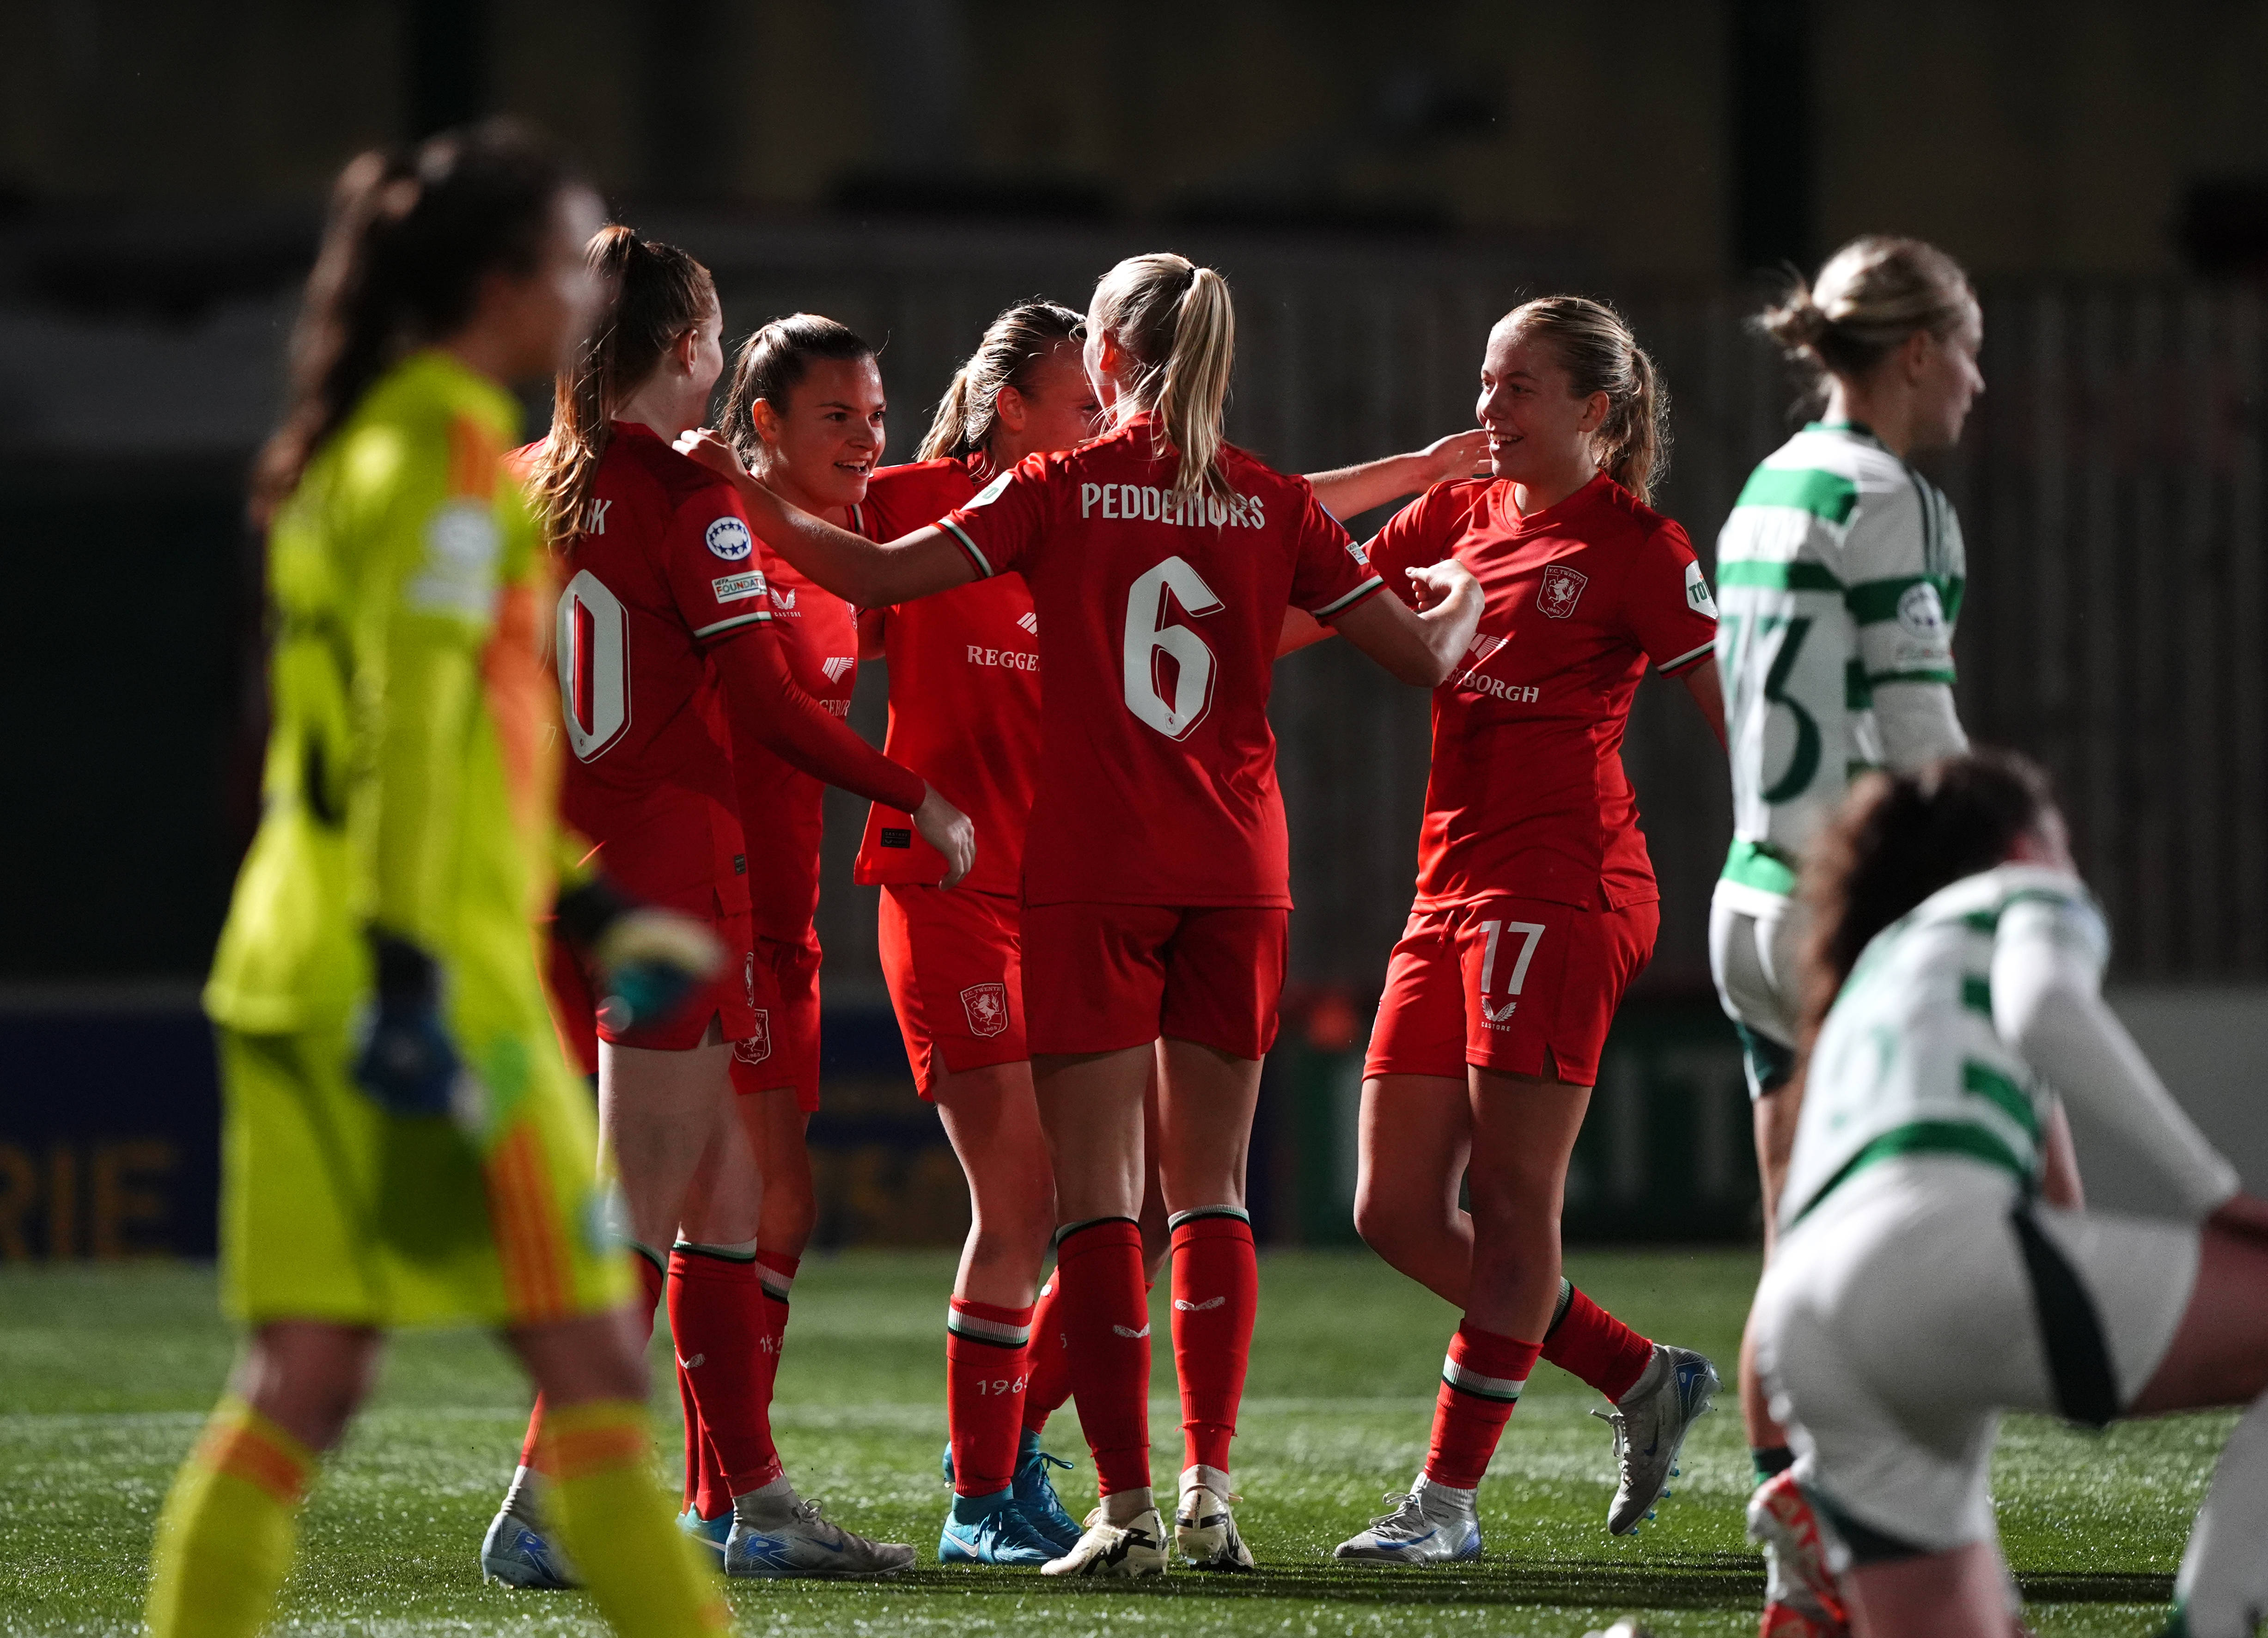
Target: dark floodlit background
{"type": "Point", "coordinates": [1379, 183]}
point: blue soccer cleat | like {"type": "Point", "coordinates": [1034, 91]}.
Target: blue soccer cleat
{"type": "Point", "coordinates": [710, 1533]}
{"type": "Point", "coordinates": [1035, 1492]}
{"type": "Point", "coordinates": [992, 1530]}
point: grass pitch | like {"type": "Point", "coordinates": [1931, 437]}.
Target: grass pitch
{"type": "Point", "coordinates": [105, 1373]}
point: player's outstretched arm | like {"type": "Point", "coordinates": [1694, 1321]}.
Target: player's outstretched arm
{"type": "Point", "coordinates": [1347, 491]}
{"type": "Point", "coordinates": [868, 574]}
{"type": "Point", "coordinates": [766, 704]}
{"type": "Point", "coordinates": [1420, 646]}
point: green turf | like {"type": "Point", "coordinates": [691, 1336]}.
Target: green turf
{"type": "Point", "coordinates": [105, 1373]}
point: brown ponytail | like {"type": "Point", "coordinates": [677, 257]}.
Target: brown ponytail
{"type": "Point", "coordinates": [410, 234]}
{"type": "Point", "coordinates": [1600, 355]}
{"type": "Point", "coordinates": [1012, 343]}
{"type": "Point", "coordinates": [773, 362]}
{"type": "Point", "coordinates": [1872, 295]}
{"type": "Point", "coordinates": [1174, 320]}
{"type": "Point", "coordinates": [655, 294]}
{"type": "Point", "coordinates": [1900, 837]}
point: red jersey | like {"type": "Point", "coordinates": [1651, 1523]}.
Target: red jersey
{"type": "Point", "coordinates": [783, 808]}
{"type": "Point", "coordinates": [1527, 793]}
{"type": "Point", "coordinates": [666, 564]}
{"type": "Point", "coordinates": [1159, 617]}
{"type": "Point", "coordinates": [964, 694]}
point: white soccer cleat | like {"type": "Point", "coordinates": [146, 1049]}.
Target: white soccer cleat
{"type": "Point", "coordinates": [786, 1538]}
{"type": "Point", "coordinates": [1424, 1528]}
{"type": "Point", "coordinates": [1800, 1597]}
{"type": "Point", "coordinates": [1206, 1530]}
{"type": "Point", "coordinates": [1135, 1548]}
{"type": "Point", "coordinates": [1650, 1423]}
{"type": "Point", "coordinates": [518, 1552]}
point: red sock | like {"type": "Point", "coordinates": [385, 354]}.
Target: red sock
{"type": "Point", "coordinates": [985, 1347]}
{"type": "Point", "coordinates": [1047, 1364]}
{"type": "Point", "coordinates": [650, 1287]}
{"type": "Point", "coordinates": [1591, 1344]}
{"type": "Point", "coordinates": [715, 1309]}
{"type": "Point", "coordinates": [1107, 1323]}
{"type": "Point", "coordinates": [1215, 1295]}
{"type": "Point", "coordinates": [1480, 1382]}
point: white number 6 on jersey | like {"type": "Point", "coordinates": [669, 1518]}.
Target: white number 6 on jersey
{"type": "Point", "coordinates": [1146, 639]}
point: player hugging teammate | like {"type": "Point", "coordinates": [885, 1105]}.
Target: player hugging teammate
{"type": "Point", "coordinates": [1083, 590]}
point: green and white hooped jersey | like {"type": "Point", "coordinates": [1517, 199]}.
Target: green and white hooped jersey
{"type": "Point", "coordinates": [1839, 569]}
{"type": "Point", "coordinates": [1909, 1062]}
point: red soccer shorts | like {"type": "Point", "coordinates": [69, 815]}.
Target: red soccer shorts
{"type": "Point", "coordinates": [729, 998]}
{"type": "Point", "coordinates": [781, 1046]}
{"type": "Point", "coordinates": [953, 960]}
{"type": "Point", "coordinates": [1099, 977]}
{"type": "Point", "coordinates": [1507, 984]}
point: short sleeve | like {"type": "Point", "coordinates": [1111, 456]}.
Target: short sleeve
{"type": "Point", "coordinates": [1666, 603]}
{"type": "Point", "coordinates": [1423, 532]}
{"type": "Point", "coordinates": [1903, 585]}
{"type": "Point", "coordinates": [709, 562]}
{"type": "Point", "coordinates": [1006, 518]}
{"type": "Point", "coordinates": [1330, 573]}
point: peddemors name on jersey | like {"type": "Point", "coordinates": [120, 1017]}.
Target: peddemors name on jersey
{"type": "Point", "coordinates": [1146, 503]}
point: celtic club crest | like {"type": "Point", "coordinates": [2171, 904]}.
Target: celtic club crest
{"type": "Point", "coordinates": [1562, 586]}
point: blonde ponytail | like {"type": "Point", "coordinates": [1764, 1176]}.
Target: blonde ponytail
{"type": "Point", "coordinates": [1870, 295]}
{"type": "Point", "coordinates": [1175, 320]}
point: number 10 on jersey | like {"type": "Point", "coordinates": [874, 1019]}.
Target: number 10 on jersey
{"type": "Point", "coordinates": [1149, 639]}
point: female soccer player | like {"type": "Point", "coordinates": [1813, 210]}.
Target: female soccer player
{"type": "Point", "coordinates": [1840, 571]}
{"type": "Point", "coordinates": [806, 409]}
{"type": "Point", "coordinates": [664, 626]}
{"type": "Point", "coordinates": [405, 1143]}
{"type": "Point", "coordinates": [1160, 561]}
{"type": "Point", "coordinates": [1536, 905]}
{"type": "Point", "coordinates": [1920, 1284]}
{"type": "Point", "coordinates": [965, 712]}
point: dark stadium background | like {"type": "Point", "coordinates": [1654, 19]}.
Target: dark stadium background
{"type": "Point", "coordinates": [1379, 183]}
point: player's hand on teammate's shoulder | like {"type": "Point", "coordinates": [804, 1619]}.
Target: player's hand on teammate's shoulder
{"type": "Point", "coordinates": [704, 445]}
{"type": "Point", "coordinates": [949, 831]}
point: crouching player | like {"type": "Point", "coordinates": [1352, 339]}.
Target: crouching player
{"type": "Point", "coordinates": [403, 1142]}
{"type": "Point", "coordinates": [1920, 1285]}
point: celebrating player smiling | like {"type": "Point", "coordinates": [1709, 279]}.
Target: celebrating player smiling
{"type": "Point", "coordinates": [1161, 561]}
{"type": "Point", "coordinates": [1535, 906]}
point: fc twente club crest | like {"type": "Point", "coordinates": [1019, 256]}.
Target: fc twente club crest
{"type": "Point", "coordinates": [987, 1006]}
{"type": "Point", "coordinates": [1562, 586]}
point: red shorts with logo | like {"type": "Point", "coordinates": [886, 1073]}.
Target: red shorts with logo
{"type": "Point", "coordinates": [729, 998]}
{"type": "Point", "coordinates": [781, 1047]}
{"type": "Point", "coordinates": [1507, 984]}
{"type": "Point", "coordinates": [1101, 977]}
{"type": "Point", "coordinates": [953, 960]}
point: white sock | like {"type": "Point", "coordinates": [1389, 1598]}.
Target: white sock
{"type": "Point", "coordinates": [1123, 1506]}
{"type": "Point", "coordinates": [1212, 1478]}
{"type": "Point", "coordinates": [523, 1500]}
{"type": "Point", "coordinates": [1444, 1500]}
{"type": "Point", "coordinates": [2222, 1588]}
{"type": "Point", "coordinates": [775, 1500]}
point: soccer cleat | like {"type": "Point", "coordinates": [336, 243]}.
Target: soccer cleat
{"type": "Point", "coordinates": [1206, 1530]}
{"type": "Point", "coordinates": [793, 1538]}
{"type": "Point", "coordinates": [1650, 1424]}
{"type": "Point", "coordinates": [1418, 1530]}
{"type": "Point", "coordinates": [1800, 1597]}
{"type": "Point", "coordinates": [516, 1554]}
{"type": "Point", "coordinates": [1035, 1492]}
{"type": "Point", "coordinates": [1124, 1550]}
{"type": "Point", "coordinates": [1000, 1534]}
{"type": "Point", "coordinates": [710, 1533]}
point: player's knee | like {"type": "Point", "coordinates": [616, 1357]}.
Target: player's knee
{"type": "Point", "coordinates": [1391, 1227]}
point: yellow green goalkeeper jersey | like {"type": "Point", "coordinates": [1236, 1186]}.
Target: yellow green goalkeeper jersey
{"type": "Point", "coordinates": [411, 759]}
